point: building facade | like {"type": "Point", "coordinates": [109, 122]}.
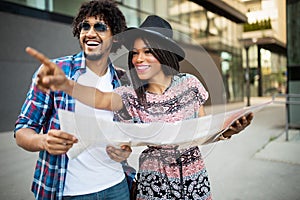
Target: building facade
{"type": "Point", "coordinates": [264, 39]}
{"type": "Point", "coordinates": [293, 62]}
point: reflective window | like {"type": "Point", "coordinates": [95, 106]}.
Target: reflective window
{"type": "Point", "coordinates": [131, 3]}
{"type": "Point", "coordinates": [147, 6]}
{"type": "Point", "coordinates": [66, 7]}
{"type": "Point", "coordinates": [39, 4]}
{"type": "Point", "coordinates": [161, 8]}
{"type": "Point", "coordinates": [130, 16]}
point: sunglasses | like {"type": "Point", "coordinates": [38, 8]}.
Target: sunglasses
{"type": "Point", "coordinates": [99, 27]}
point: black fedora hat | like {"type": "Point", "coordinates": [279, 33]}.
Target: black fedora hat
{"type": "Point", "coordinates": [157, 28]}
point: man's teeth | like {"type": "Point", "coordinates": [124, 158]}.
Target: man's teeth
{"type": "Point", "coordinates": [92, 43]}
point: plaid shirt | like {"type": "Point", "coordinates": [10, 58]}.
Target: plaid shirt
{"type": "Point", "coordinates": [39, 112]}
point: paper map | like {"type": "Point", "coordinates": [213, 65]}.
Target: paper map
{"type": "Point", "coordinates": [90, 130]}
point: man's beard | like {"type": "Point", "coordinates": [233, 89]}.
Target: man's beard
{"type": "Point", "coordinates": [93, 57]}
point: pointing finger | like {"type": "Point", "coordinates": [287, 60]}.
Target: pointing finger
{"type": "Point", "coordinates": [39, 56]}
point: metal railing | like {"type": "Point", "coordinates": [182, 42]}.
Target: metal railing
{"type": "Point", "coordinates": [288, 102]}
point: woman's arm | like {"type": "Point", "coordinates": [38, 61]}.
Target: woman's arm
{"type": "Point", "coordinates": [201, 111]}
{"type": "Point", "coordinates": [93, 97]}
{"type": "Point", "coordinates": [51, 77]}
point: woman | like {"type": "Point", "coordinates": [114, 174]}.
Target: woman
{"type": "Point", "coordinates": [159, 93]}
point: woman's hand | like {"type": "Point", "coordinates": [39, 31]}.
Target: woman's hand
{"type": "Point", "coordinates": [238, 125]}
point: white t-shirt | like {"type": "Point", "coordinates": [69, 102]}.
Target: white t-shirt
{"type": "Point", "coordinates": [93, 170]}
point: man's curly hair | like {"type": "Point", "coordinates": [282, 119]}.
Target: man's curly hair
{"type": "Point", "coordinates": [108, 11]}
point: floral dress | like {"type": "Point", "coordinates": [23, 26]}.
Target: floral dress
{"type": "Point", "coordinates": [167, 171]}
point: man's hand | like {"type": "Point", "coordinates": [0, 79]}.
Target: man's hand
{"type": "Point", "coordinates": [50, 76]}
{"type": "Point", "coordinates": [238, 125]}
{"type": "Point", "coordinates": [119, 155]}
{"type": "Point", "coordinates": [57, 142]}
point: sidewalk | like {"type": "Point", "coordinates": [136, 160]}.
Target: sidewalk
{"type": "Point", "coordinates": [281, 150]}
{"type": "Point", "coordinates": [258, 163]}
{"type": "Point", "coordinates": [278, 148]}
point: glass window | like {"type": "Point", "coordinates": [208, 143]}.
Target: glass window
{"type": "Point", "coordinates": [131, 3]}
{"type": "Point", "coordinates": [173, 10]}
{"type": "Point", "coordinates": [147, 6]}
{"type": "Point", "coordinates": [161, 8]}
{"type": "Point", "coordinates": [131, 16]}
{"type": "Point", "coordinates": [39, 4]}
{"type": "Point", "coordinates": [66, 7]}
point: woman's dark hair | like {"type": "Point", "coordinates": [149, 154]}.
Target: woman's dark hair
{"type": "Point", "coordinates": [108, 11]}
{"type": "Point", "coordinates": [167, 59]}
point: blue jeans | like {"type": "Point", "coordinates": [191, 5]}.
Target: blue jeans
{"type": "Point", "coordinates": [116, 192]}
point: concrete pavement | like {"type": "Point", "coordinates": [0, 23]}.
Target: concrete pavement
{"type": "Point", "coordinates": [16, 169]}
{"type": "Point", "coordinates": [256, 164]}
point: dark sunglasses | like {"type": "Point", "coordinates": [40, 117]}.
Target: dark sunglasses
{"type": "Point", "coordinates": [99, 27]}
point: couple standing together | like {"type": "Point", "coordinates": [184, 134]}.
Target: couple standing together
{"type": "Point", "coordinates": [157, 92]}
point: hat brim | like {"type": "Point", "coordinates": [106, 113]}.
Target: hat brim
{"type": "Point", "coordinates": [165, 42]}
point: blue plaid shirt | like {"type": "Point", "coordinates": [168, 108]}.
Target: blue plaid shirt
{"type": "Point", "coordinates": [39, 112]}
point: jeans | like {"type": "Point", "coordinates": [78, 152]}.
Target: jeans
{"type": "Point", "coordinates": [116, 192]}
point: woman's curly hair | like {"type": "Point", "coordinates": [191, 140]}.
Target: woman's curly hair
{"type": "Point", "coordinates": [108, 11]}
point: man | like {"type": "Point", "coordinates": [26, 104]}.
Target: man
{"type": "Point", "coordinates": [96, 173]}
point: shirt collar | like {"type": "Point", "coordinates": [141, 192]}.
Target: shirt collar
{"type": "Point", "coordinates": [115, 80]}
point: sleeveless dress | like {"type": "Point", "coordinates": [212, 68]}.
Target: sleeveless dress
{"type": "Point", "coordinates": [168, 172]}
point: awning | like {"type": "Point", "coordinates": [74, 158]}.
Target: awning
{"type": "Point", "coordinates": [221, 8]}
{"type": "Point", "coordinates": [268, 43]}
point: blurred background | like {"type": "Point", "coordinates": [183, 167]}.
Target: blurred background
{"type": "Point", "coordinates": [252, 43]}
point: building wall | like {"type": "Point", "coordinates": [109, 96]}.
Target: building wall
{"type": "Point", "coordinates": [281, 4]}
{"type": "Point", "coordinates": [17, 32]}
{"type": "Point", "coordinates": [206, 66]}
{"type": "Point", "coordinates": [273, 63]}
{"type": "Point", "coordinates": [293, 60]}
